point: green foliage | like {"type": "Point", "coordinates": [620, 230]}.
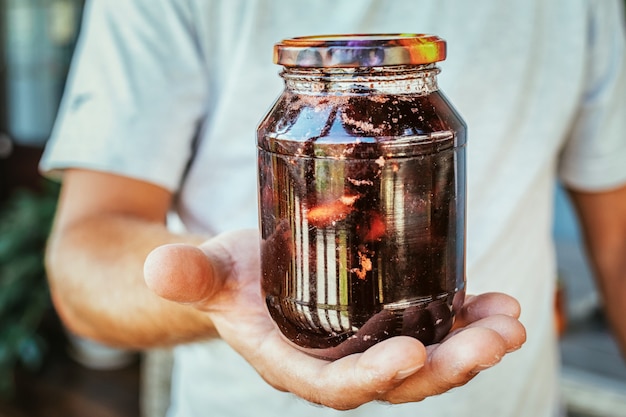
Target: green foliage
{"type": "Point", "coordinates": [25, 221]}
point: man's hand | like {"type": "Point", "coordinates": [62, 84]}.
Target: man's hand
{"type": "Point", "coordinates": [222, 278]}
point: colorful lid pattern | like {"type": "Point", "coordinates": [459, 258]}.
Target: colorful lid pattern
{"type": "Point", "coordinates": [360, 50]}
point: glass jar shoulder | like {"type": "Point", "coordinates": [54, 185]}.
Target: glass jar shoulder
{"type": "Point", "coordinates": [319, 123]}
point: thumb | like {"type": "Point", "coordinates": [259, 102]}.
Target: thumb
{"type": "Point", "coordinates": [181, 273]}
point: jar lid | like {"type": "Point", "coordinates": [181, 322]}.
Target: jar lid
{"type": "Point", "coordinates": [358, 50]}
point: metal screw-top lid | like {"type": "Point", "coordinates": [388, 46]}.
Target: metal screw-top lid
{"type": "Point", "coordinates": [360, 50]}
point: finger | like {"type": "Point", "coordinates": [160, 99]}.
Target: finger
{"type": "Point", "coordinates": [510, 329]}
{"type": "Point", "coordinates": [477, 307]}
{"type": "Point", "coordinates": [181, 273]}
{"type": "Point", "coordinates": [451, 364]}
{"type": "Point", "coordinates": [350, 381]}
{"type": "Point", "coordinates": [376, 371]}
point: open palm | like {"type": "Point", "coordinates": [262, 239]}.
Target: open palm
{"type": "Point", "coordinates": [222, 279]}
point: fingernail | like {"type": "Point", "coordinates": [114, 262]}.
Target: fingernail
{"type": "Point", "coordinates": [479, 368]}
{"type": "Point", "coordinates": [514, 348]}
{"type": "Point", "coordinates": [405, 373]}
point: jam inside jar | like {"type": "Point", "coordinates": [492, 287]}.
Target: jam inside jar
{"type": "Point", "coordinates": [361, 194]}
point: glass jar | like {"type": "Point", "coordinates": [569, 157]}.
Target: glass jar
{"type": "Point", "coordinates": [362, 194]}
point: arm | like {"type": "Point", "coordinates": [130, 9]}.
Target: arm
{"type": "Point", "coordinates": [108, 229]}
{"type": "Point", "coordinates": [603, 219]}
{"type": "Point", "coordinates": [104, 228]}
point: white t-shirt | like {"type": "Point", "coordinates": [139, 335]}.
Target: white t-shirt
{"type": "Point", "coordinates": [171, 92]}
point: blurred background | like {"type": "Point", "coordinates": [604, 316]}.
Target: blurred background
{"type": "Point", "coordinates": [44, 371]}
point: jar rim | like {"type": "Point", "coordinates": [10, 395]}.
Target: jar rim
{"type": "Point", "coordinates": [360, 50]}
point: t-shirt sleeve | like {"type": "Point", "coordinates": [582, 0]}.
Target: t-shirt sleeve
{"type": "Point", "coordinates": [594, 157]}
{"type": "Point", "coordinates": [135, 95]}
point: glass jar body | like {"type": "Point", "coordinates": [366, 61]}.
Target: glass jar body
{"type": "Point", "coordinates": [362, 208]}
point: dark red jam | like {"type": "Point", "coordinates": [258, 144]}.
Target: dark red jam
{"type": "Point", "coordinates": [362, 214]}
